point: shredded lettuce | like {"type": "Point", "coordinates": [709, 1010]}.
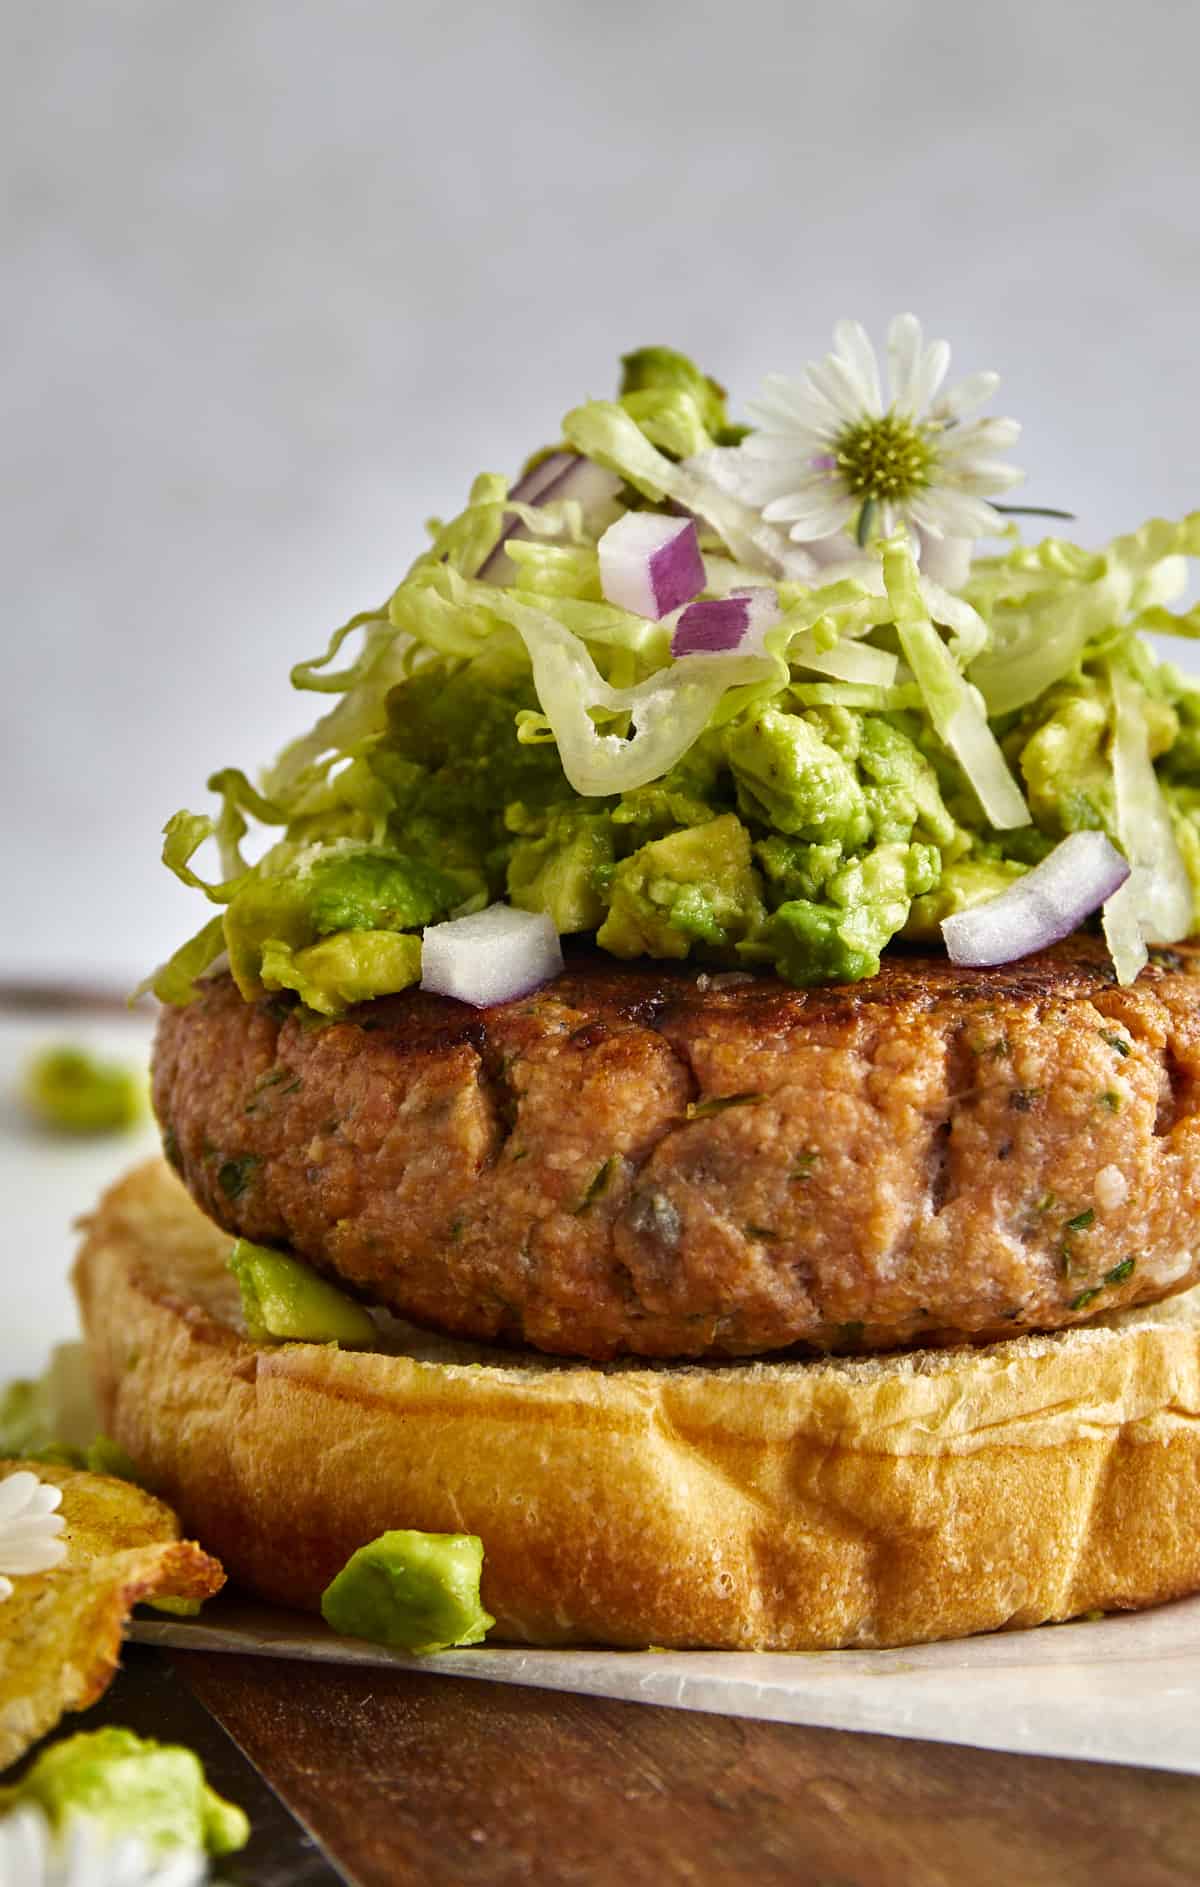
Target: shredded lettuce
{"type": "Point", "coordinates": [667, 712]}
{"type": "Point", "coordinates": [955, 708]}
{"type": "Point", "coordinates": [522, 737]}
{"type": "Point", "coordinates": [1045, 604]}
{"type": "Point", "coordinates": [1154, 905]}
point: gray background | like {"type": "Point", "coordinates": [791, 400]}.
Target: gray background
{"type": "Point", "coordinates": [281, 277]}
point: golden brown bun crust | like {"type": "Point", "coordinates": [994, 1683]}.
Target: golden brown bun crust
{"type": "Point", "coordinates": [787, 1506]}
{"type": "Point", "coordinates": [639, 1160]}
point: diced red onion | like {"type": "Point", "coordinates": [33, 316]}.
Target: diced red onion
{"type": "Point", "coordinates": [492, 956]}
{"type": "Point", "coordinates": [561, 475]}
{"type": "Point", "coordinates": [721, 624]}
{"type": "Point", "coordinates": [1041, 908]}
{"type": "Point", "coordinates": [650, 564]}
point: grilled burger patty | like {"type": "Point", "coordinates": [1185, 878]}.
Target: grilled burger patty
{"type": "Point", "coordinates": [652, 1160]}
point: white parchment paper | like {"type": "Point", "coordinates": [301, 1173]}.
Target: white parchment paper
{"type": "Point", "coordinates": [1122, 1689]}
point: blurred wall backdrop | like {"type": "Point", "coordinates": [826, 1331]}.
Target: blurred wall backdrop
{"type": "Point", "coordinates": [281, 276]}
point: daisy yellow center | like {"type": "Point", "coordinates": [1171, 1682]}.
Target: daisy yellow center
{"type": "Point", "coordinates": [886, 458]}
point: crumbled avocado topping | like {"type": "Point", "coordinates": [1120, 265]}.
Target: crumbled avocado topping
{"type": "Point", "coordinates": [891, 754]}
{"type": "Point", "coordinates": [70, 1091]}
{"type": "Point", "coordinates": [285, 1299]}
{"type": "Point", "coordinates": [132, 1786]}
{"type": "Point", "coordinates": [416, 1592]}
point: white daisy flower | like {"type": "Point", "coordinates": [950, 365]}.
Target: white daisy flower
{"type": "Point", "coordinates": [29, 1527]}
{"type": "Point", "coordinates": [830, 456]}
{"type": "Point", "coordinates": [33, 1855]}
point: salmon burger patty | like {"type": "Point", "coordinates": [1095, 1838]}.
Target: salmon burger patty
{"type": "Point", "coordinates": [652, 1160]}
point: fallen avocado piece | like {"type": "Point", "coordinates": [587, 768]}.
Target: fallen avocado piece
{"type": "Point", "coordinates": [132, 1786]}
{"type": "Point", "coordinates": [68, 1090]}
{"type": "Point", "coordinates": [416, 1592]}
{"type": "Point", "coordinates": [283, 1298]}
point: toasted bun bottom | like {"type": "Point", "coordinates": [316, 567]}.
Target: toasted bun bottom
{"type": "Point", "coordinates": [781, 1506]}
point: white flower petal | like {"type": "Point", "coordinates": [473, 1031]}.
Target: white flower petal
{"type": "Point", "coordinates": [16, 1492]}
{"type": "Point", "coordinates": [838, 513]}
{"type": "Point", "coordinates": [31, 1527]}
{"type": "Point", "coordinates": [800, 496]}
{"type": "Point", "coordinates": [768, 417]}
{"type": "Point", "coordinates": [789, 397]}
{"type": "Point", "coordinates": [25, 1843]}
{"type": "Point", "coordinates": [976, 390]}
{"type": "Point", "coordinates": [853, 345]}
{"type": "Point", "coordinates": [6, 1592]}
{"type": "Point", "coordinates": [816, 502]}
{"type": "Point", "coordinates": [984, 475]}
{"type": "Point", "coordinates": [991, 435]}
{"type": "Point", "coordinates": [935, 363]}
{"type": "Point", "coordinates": [947, 513]}
{"type": "Point", "coordinates": [945, 560]}
{"type": "Point", "coordinates": [830, 382]}
{"type": "Point", "coordinates": [755, 481]}
{"type": "Point", "coordinates": [784, 404]}
{"type": "Point", "coordinates": [31, 1556]}
{"type": "Point", "coordinates": [904, 354]}
{"type": "Point", "coordinates": [795, 447]}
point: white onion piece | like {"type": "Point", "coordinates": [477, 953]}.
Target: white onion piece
{"type": "Point", "coordinates": [491, 956]}
{"type": "Point", "coordinates": [1041, 908]}
{"type": "Point", "coordinates": [719, 625]}
{"type": "Point", "coordinates": [649, 564]}
{"type": "Point", "coordinates": [562, 475]}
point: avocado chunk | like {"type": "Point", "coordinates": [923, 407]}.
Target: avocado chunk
{"type": "Point", "coordinates": [70, 1091]}
{"type": "Point", "coordinates": [353, 966]}
{"type": "Point", "coordinates": [416, 1592]}
{"type": "Point", "coordinates": [354, 894]}
{"type": "Point", "coordinates": [789, 778]}
{"type": "Point", "coordinates": [697, 885]}
{"type": "Point", "coordinates": [132, 1786]}
{"type": "Point", "coordinates": [283, 1298]}
{"type": "Point", "coordinates": [1068, 776]}
{"type": "Point", "coordinates": [559, 871]}
{"type": "Point", "coordinates": [965, 883]}
{"type": "Point", "coordinates": [863, 904]}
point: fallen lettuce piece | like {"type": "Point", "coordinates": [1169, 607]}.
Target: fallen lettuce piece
{"type": "Point", "coordinates": [283, 1299]}
{"type": "Point", "coordinates": [130, 1785]}
{"type": "Point", "coordinates": [69, 1090]}
{"type": "Point", "coordinates": [416, 1592]}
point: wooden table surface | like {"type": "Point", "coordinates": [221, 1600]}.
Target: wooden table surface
{"type": "Point", "coordinates": [404, 1778]}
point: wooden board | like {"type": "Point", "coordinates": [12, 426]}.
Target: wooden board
{"type": "Point", "coordinates": [413, 1779]}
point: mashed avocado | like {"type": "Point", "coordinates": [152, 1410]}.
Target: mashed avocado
{"type": "Point", "coordinates": [416, 1592]}
{"type": "Point", "coordinates": [887, 753]}
{"type": "Point", "coordinates": [132, 1786]}
{"type": "Point", "coordinates": [285, 1299]}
